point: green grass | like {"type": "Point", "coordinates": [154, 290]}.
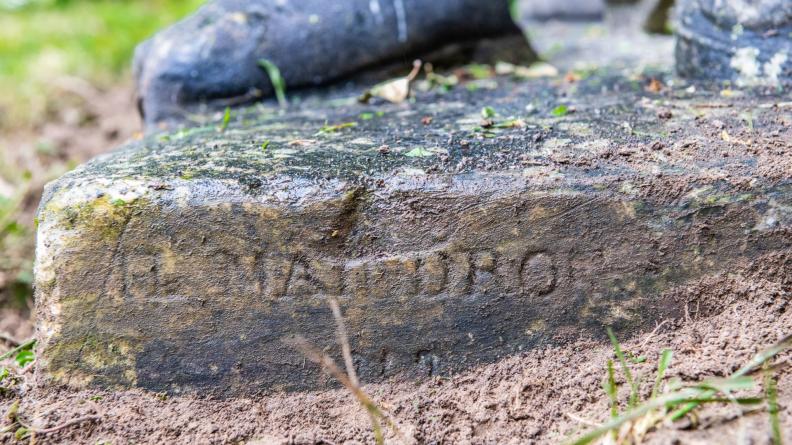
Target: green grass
{"type": "Point", "coordinates": [488, 112]}
{"type": "Point", "coordinates": [625, 369]}
{"type": "Point", "coordinates": [771, 394]}
{"type": "Point", "coordinates": [226, 119]}
{"type": "Point", "coordinates": [277, 80]}
{"type": "Point", "coordinates": [335, 128]}
{"type": "Point", "coordinates": [560, 111]}
{"type": "Point", "coordinates": [681, 399]}
{"type": "Point", "coordinates": [93, 40]}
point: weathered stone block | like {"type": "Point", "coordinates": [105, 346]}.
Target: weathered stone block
{"type": "Point", "coordinates": [182, 261]}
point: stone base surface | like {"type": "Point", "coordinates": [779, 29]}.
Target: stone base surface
{"type": "Point", "coordinates": [182, 262]}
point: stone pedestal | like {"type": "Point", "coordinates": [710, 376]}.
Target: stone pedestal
{"type": "Point", "coordinates": [181, 262]}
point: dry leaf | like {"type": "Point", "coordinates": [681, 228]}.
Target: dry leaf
{"type": "Point", "coordinates": [572, 77]}
{"type": "Point", "coordinates": [301, 142]}
{"type": "Point", "coordinates": [655, 86]}
{"type": "Point", "coordinates": [535, 71]}
{"type": "Point", "coordinates": [395, 91]}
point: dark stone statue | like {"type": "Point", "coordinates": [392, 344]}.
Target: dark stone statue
{"type": "Point", "coordinates": [212, 57]}
{"type": "Point", "coordinates": [748, 42]}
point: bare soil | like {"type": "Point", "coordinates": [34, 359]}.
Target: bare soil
{"type": "Point", "coordinates": [86, 121]}
{"type": "Point", "coordinates": [546, 395]}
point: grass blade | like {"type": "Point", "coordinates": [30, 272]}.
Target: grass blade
{"type": "Point", "coordinates": [226, 119]}
{"type": "Point", "coordinates": [514, 10]}
{"type": "Point", "coordinates": [662, 366]}
{"type": "Point", "coordinates": [683, 396]}
{"type": "Point", "coordinates": [610, 389]}
{"type": "Point", "coordinates": [683, 400]}
{"type": "Point", "coordinates": [23, 347]}
{"type": "Point", "coordinates": [278, 83]}
{"type": "Point", "coordinates": [625, 368]}
{"type": "Point", "coordinates": [737, 400]}
{"type": "Point", "coordinates": [771, 394]}
{"type": "Point", "coordinates": [678, 397]}
{"type": "Point", "coordinates": [763, 356]}
{"type": "Point", "coordinates": [758, 360]}
{"type": "Point", "coordinates": [729, 385]}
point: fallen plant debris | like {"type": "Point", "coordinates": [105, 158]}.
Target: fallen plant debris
{"type": "Point", "coordinates": [654, 85]}
{"type": "Point", "coordinates": [535, 71]}
{"type": "Point", "coordinates": [394, 91]}
{"type": "Point", "coordinates": [335, 128]}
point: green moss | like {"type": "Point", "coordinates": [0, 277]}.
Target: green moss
{"type": "Point", "coordinates": [81, 358]}
{"type": "Point", "coordinates": [103, 216]}
{"type": "Point", "coordinates": [713, 197]}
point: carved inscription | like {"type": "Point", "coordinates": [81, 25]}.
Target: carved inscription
{"type": "Point", "coordinates": [432, 273]}
{"type": "Point", "coordinates": [416, 274]}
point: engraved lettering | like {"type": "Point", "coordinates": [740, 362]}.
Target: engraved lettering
{"type": "Point", "coordinates": [328, 275]}
{"type": "Point", "coordinates": [458, 274]}
{"type": "Point", "coordinates": [395, 276]}
{"type": "Point", "coordinates": [355, 280]}
{"type": "Point", "coordinates": [300, 283]}
{"type": "Point", "coordinates": [450, 273]}
{"type": "Point", "coordinates": [484, 265]}
{"type": "Point", "coordinates": [538, 274]}
{"type": "Point", "coordinates": [433, 273]}
{"type": "Point", "coordinates": [277, 272]}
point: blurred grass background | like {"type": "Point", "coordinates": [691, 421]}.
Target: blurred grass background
{"type": "Point", "coordinates": [90, 39]}
{"type": "Point", "coordinates": [65, 95]}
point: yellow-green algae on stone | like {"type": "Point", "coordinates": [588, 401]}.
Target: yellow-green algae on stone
{"type": "Point", "coordinates": [182, 262]}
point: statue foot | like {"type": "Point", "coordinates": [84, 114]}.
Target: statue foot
{"type": "Point", "coordinates": [747, 42]}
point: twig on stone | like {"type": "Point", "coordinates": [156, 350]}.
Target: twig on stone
{"type": "Point", "coordinates": [315, 355]}
{"type": "Point", "coordinates": [349, 378]}
{"type": "Point", "coordinates": [343, 340]}
{"type": "Point", "coordinates": [349, 363]}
